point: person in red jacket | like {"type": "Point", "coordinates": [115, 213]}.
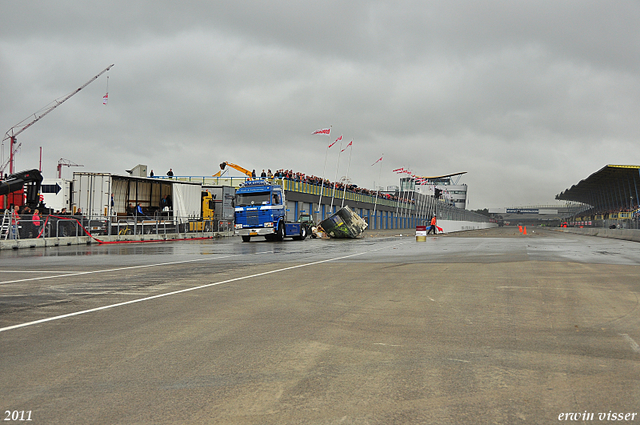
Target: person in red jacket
{"type": "Point", "coordinates": [433, 226]}
{"type": "Point", "coordinates": [36, 221]}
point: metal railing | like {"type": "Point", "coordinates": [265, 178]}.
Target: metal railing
{"type": "Point", "coordinates": [56, 226]}
{"type": "Point", "coordinates": [615, 224]}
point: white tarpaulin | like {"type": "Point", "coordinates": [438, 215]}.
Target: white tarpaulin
{"type": "Point", "coordinates": [186, 200]}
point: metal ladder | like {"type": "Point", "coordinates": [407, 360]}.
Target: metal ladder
{"type": "Point", "coordinates": [6, 224]}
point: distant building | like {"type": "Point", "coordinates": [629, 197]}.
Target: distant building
{"type": "Point", "coordinates": [446, 188]}
{"type": "Point", "coordinates": [537, 214]}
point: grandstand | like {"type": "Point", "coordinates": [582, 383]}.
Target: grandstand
{"type": "Point", "coordinates": [612, 196]}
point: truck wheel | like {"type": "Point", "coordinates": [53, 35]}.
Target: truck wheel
{"type": "Point", "coordinates": [280, 231]}
{"type": "Point", "coordinates": [303, 233]}
{"type": "Point", "coordinates": [246, 238]}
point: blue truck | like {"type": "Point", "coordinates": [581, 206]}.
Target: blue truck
{"type": "Point", "coordinates": [260, 211]}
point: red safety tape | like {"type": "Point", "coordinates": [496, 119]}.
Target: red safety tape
{"type": "Point", "coordinates": [154, 240]}
{"type": "Point", "coordinates": [43, 227]}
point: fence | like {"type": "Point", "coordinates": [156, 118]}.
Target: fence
{"type": "Point", "coordinates": [412, 208]}
{"type": "Point", "coordinates": [617, 224]}
{"type": "Point", "coordinates": [55, 226]}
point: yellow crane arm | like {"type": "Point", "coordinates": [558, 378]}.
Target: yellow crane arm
{"type": "Point", "coordinates": [234, 166]}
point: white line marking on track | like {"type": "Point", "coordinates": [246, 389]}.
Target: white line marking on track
{"type": "Point", "coordinates": [40, 271]}
{"type": "Point", "coordinates": [634, 345]}
{"type": "Point", "coordinates": [181, 291]}
{"type": "Point", "coordinates": [113, 270]}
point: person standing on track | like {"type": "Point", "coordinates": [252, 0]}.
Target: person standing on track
{"type": "Point", "coordinates": [433, 226]}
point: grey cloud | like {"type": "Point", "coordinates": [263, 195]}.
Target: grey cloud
{"type": "Point", "coordinates": [535, 94]}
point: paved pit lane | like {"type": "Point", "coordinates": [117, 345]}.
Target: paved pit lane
{"type": "Point", "coordinates": [479, 327]}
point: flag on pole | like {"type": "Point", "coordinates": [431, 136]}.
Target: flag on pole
{"type": "Point", "coordinates": [105, 98]}
{"type": "Point", "coordinates": [326, 131]}
{"type": "Point", "coordinates": [336, 141]}
{"type": "Point", "coordinates": [377, 161]}
{"type": "Point", "coordinates": [345, 148]}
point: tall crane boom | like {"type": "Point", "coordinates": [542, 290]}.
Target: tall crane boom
{"type": "Point", "coordinates": [67, 163]}
{"type": "Point", "coordinates": [14, 131]}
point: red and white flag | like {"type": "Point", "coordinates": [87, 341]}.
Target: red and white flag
{"type": "Point", "coordinates": [377, 161]}
{"type": "Point", "coordinates": [345, 148]}
{"type": "Point", "coordinates": [336, 141]}
{"type": "Point", "coordinates": [326, 131]}
{"type": "Point", "coordinates": [105, 99]}
{"type": "Point", "coordinates": [399, 170]}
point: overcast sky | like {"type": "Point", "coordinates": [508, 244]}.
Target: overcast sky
{"type": "Point", "coordinates": [527, 97]}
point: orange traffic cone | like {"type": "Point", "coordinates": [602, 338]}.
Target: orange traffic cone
{"type": "Point", "coordinates": [525, 230]}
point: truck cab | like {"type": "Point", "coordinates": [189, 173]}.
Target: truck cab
{"type": "Point", "coordinates": [260, 211]}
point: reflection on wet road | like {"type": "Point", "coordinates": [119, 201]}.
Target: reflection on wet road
{"type": "Point", "coordinates": [486, 327]}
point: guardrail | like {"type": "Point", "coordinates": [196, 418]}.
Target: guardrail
{"type": "Point", "coordinates": [56, 226]}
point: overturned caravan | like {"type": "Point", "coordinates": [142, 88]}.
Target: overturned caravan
{"type": "Point", "coordinates": [344, 224]}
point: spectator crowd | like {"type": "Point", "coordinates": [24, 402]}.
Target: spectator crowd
{"type": "Point", "coordinates": [318, 181]}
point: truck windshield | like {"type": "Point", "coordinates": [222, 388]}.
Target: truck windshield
{"type": "Point", "coordinates": [248, 199]}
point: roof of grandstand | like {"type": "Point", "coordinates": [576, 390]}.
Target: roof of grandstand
{"type": "Point", "coordinates": [611, 187]}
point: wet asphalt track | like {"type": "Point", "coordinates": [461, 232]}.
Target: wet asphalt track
{"type": "Point", "coordinates": [479, 327]}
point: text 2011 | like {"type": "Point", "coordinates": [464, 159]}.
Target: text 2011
{"type": "Point", "coordinates": [17, 415]}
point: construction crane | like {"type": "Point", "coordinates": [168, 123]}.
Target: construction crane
{"type": "Point", "coordinates": [14, 131]}
{"type": "Point", "coordinates": [66, 163]}
{"type": "Point", "coordinates": [234, 166]}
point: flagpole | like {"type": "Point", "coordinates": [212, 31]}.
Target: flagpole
{"type": "Point", "coordinates": [422, 205]}
{"type": "Point", "coordinates": [403, 207]}
{"type": "Point", "coordinates": [407, 204]}
{"type": "Point", "coordinates": [348, 166]}
{"type": "Point", "coordinates": [399, 196]}
{"type": "Point", "coordinates": [322, 185]}
{"type": "Point", "coordinates": [328, 133]}
{"type": "Point", "coordinates": [333, 193]}
{"type": "Point", "coordinates": [377, 193]}
{"type": "Point", "coordinates": [413, 200]}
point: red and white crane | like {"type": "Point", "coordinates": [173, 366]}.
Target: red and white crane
{"type": "Point", "coordinates": [14, 131]}
{"type": "Point", "coordinates": [66, 163]}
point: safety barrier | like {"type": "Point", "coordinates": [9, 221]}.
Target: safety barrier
{"type": "Point", "coordinates": [60, 226]}
{"type": "Point", "coordinates": [620, 220]}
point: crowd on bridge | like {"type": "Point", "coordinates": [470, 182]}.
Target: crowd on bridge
{"type": "Point", "coordinates": [291, 175]}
